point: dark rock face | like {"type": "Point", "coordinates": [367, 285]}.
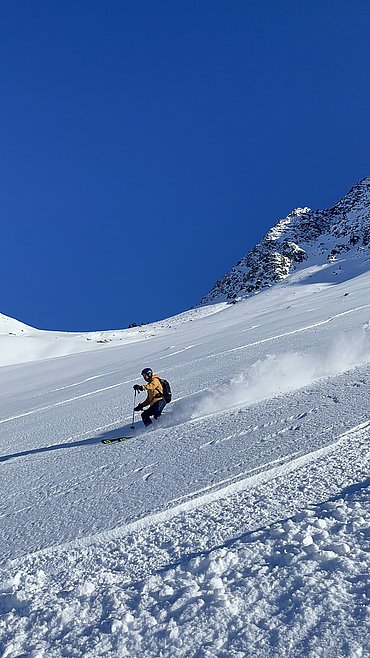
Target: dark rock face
{"type": "Point", "coordinates": [305, 236]}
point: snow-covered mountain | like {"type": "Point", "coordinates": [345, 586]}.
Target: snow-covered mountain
{"type": "Point", "coordinates": [238, 525]}
{"type": "Point", "coordinates": [11, 327]}
{"type": "Point", "coordinates": [20, 343]}
{"type": "Point", "coordinates": [305, 241]}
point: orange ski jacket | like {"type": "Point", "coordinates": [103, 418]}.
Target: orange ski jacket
{"type": "Point", "coordinates": [154, 391]}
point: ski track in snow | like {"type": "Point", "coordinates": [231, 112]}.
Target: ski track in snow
{"type": "Point", "coordinates": [288, 333]}
{"type": "Point", "coordinates": [167, 356]}
{"type": "Point", "coordinates": [300, 556]}
{"type": "Point", "coordinates": [232, 528]}
{"type": "Point", "coordinates": [254, 446]}
{"type": "Point", "coordinates": [218, 355]}
{"type": "Point", "coordinates": [62, 402]}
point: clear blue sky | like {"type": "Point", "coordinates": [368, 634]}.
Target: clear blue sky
{"type": "Point", "coordinates": [145, 146]}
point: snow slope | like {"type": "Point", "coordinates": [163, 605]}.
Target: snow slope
{"type": "Point", "coordinates": [237, 526]}
{"type": "Point", "coordinates": [20, 343]}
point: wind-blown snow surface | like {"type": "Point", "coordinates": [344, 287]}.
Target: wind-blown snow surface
{"type": "Point", "coordinates": [20, 343]}
{"type": "Point", "coordinates": [238, 526]}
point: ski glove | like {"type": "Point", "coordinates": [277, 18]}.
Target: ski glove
{"type": "Point", "coordinates": [139, 407]}
{"type": "Point", "coordinates": [138, 388]}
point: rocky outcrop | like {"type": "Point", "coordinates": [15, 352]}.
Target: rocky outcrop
{"type": "Point", "coordinates": [304, 236]}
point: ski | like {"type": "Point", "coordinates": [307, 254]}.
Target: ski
{"type": "Point", "coordinates": [120, 439]}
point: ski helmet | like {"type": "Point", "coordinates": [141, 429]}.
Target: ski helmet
{"type": "Point", "coordinates": [147, 373]}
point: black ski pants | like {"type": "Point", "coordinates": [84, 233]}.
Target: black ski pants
{"type": "Point", "coordinates": [154, 410]}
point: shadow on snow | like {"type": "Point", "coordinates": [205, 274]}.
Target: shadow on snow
{"type": "Point", "coordinates": [178, 413]}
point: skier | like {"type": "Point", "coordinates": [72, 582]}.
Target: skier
{"type": "Point", "coordinates": [155, 399]}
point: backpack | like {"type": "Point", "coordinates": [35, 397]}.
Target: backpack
{"type": "Point", "coordinates": [167, 394]}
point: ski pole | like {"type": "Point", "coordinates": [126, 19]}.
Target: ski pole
{"type": "Point", "coordinates": [133, 413]}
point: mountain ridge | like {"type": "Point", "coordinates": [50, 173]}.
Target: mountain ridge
{"type": "Point", "coordinates": [303, 238]}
